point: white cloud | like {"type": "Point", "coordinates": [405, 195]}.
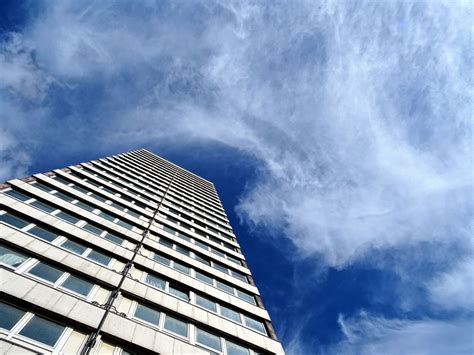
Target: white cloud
{"type": "Point", "coordinates": [368, 334]}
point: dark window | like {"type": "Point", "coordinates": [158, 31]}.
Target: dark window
{"type": "Point", "coordinates": [78, 285]}
{"type": "Point", "coordinates": [17, 195]}
{"type": "Point", "coordinates": [43, 233]}
{"type": "Point", "coordinates": [147, 314]}
{"type": "Point", "coordinates": [74, 247]}
{"type": "Point", "coordinates": [46, 272]}
{"type": "Point", "coordinates": [67, 217]}
{"type": "Point", "coordinates": [9, 315]}
{"type": "Point", "coordinates": [43, 330]}
{"type": "Point", "coordinates": [43, 206]}
{"type": "Point", "coordinates": [13, 220]}
{"type": "Point", "coordinates": [99, 257]}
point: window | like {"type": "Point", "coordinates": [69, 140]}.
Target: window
{"type": "Point", "coordinates": [182, 250]}
{"type": "Point", "coordinates": [46, 272]}
{"type": "Point", "coordinates": [246, 297]}
{"type": "Point", "coordinates": [229, 313]}
{"type": "Point", "coordinates": [207, 339]}
{"type": "Point", "coordinates": [254, 324]}
{"type": "Point", "coordinates": [240, 276]}
{"type": "Point", "coordinates": [78, 285]}
{"type": "Point", "coordinates": [125, 224]}
{"type": "Point", "coordinates": [99, 257]}
{"type": "Point", "coordinates": [80, 189]}
{"type": "Point", "coordinates": [234, 349]}
{"type": "Point", "coordinates": [93, 229]}
{"type": "Point", "coordinates": [179, 293]}
{"type": "Point", "coordinates": [165, 242]}
{"type": "Point", "coordinates": [13, 220]}
{"type": "Point", "coordinates": [204, 302]}
{"type": "Point", "coordinates": [218, 252]}
{"type": "Point", "coordinates": [155, 281]}
{"type": "Point", "coordinates": [43, 206]}
{"type": "Point", "coordinates": [43, 330]}
{"type": "Point", "coordinates": [43, 233]}
{"type": "Point", "coordinates": [176, 326]}
{"type": "Point", "coordinates": [17, 195]}
{"type": "Point", "coordinates": [41, 186]}
{"type": "Point", "coordinates": [85, 206]}
{"type": "Point", "coordinates": [220, 268]}
{"type": "Point", "coordinates": [180, 267]}
{"type": "Point", "coordinates": [224, 287]}
{"type": "Point", "coordinates": [107, 216]}
{"type": "Point", "coordinates": [67, 217]}
{"type": "Point", "coordinates": [63, 197]}
{"type": "Point", "coordinates": [203, 278]}
{"type": "Point", "coordinates": [74, 247]}
{"type": "Point", "coordinates": [9, 315]}
{"type": "Point", "coordinates": [11, 257]}
{"type": "Point", "coordinates": [114, 238]}
{"type": "Point", "coordinates": [147, 314]}
{"type": "Point", "coordinates": [161, 259]}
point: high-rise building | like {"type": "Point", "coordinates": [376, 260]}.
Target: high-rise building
{"type": "Point", "coordinates": [129, 254]}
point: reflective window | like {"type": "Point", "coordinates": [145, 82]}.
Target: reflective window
{"type": "Point", "coordinates": [64, 197]}
{"type": "Point", "coordinates": [17, 195]}
{"type": "Point", "coordinates": [99, 257]}
{"type": "Point", "coordinates": [155, 281]}
{"type": "Point", "coordinates": [210, 340]}
{"type": "Point", "coordinates": [80, 189]}
{"type": "Point", "coordinates": [254, 324]}
{"type": "Point", "coordinates": [78, 285]}
{"type": "Point", "coordinates": [179, 293]}
{"type": "Point", "coordinates": [245, 296]}
{"type": "Point", "coordinates": [41, 186]}
{"type": "Point", "coordinates": [239, 276]}
{"type": "Point", "coordinates": [204, 302]}
{"type": "Point", "coordinates": [229, 313]}
{"type": "Point", "coordinates": [224, 287]}
{"type": "Point", "coordinates": [43, 330]}
{"type": "Point", "coordinates": [107, 216]}
{"type": "Point", "coordinates": [46, 272]}
{"type": "Point", "coordinates": [147, 314]}
{"type": "Point", "coordinates": [74, 247]}
{"type": "Point", "coordinates": [85, 206]}
{"type": "Point", "coordinates": [176, 326]}
{"type": "Point", "coordinates": [203, 278]}
{"type": "Point", "coordinates": [114, 238]}
{"type": "Point", "coordinates": [181, 267]}
{"type": "Point", "coordinates": [13, 221]}
{"type": "Point", "coordinates": [93, 229]}
{"type": "Point", "coordinates": [11, 257]}
{"type": "Point", "coordinates": [9, 315]}
{"type": "Point", "coordinates": [220, 268]}
{"type": "Point", "coordinates": [43, 206]}
{"type": "Point", "coordinates": [165, 242]}
{"type": "Point", "coordinates": [161, 259]}
{"type": "Point", "coordinates": [234, 349]}
{"type": "Point", "coordinates": [182, 250]}
{"type": "Point", "coordinates": [67, 217]}
{"type": "Point", "coordinates": [43, 233]}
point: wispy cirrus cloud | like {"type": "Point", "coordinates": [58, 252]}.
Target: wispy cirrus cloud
{"type": "Point", "coordinates": [360, 113]}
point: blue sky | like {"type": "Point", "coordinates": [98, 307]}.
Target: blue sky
{"type": "Point", "coordinates": [338, 134]}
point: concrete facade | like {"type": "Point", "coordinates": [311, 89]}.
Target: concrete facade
{"type": "Point", "coordinates": [129, 254]}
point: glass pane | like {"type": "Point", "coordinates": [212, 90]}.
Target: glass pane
{"type": "Point", "coordinates": [43, 330]}
{"type": "Point", "coordinates": [254, 324]}
{"type": "Point", "coordinates": [11, 257]}
{"type": "Point", "coordinates": [229, 313]}
{"type": "Point", "coordinates": [9, 315]}
{"type": "Point", "coordinates": [61, 180]}
{"type": "Point", "coordinates": [99, 257]}
{"type": "Point", "coordinates": [236, 261]}
{"type": "Point", "coordinates": [161, 259]}
{"type": "Point", "coordinates": [78, 285]}
{"type": "Point", "coordinates": [246, 297]}
{"type": "Point", "coordinates": [181, 267]}
{"type": "Point", "coordinates": [165, 242]}
{"type": "Point", "coordinates": [234, 349]}
{"type": "Point", "coordinates": [182, 250]}
{"type": "Point", "coordinates": [46, 272]}
{"type": "Point", "coordinates": [93, 229]}
{"type": "Point", "coordinates": [147, 314]}
{"type": "Point", "coordinates": [169, 230]}
{"type": "Point", "coordinates": [41, 186]}
{"type": "Point", "coordinates": [74, 247]}
{"type": "Point", "coordinates": [125, 224]}
{"type": "Point", "coordinates": [208, 339]}
{"type": "Point", "coordinates": [107, 216]}
{"type": "Point", "coordinates": [184, 237]}
{"type": "Point", "coordinates": [113, 238]}
{"type": "Point", "coordinates": [43, 206]}
{"type": "Point", "coordinates": [63, 197]}
{"type": "Point", "coordinates": [80, 189]}
{"type": "Point", "coordinates": [220, 268]}
{"type": "Point", "coordinates": [43, 233]}
{"type": "Point", "coordinates": [203, 278]}
{"type": "Point", "coordinates": [204, 302]}
{"type": "Point", "coordinates": [17, 195]}
{"type": "Point", "coordinates": [240, 276]}
{"type": "Point", "coordinates": [13, 221]}
{"type": "Point", "coordinates": [155, 281]}
{"type": "Point", "coordinates": [67, 217]}
{"type": "Point", "coordinates": [201, 244]}
{"type": "Point", "coordinates": [176, 326]}
{"type": "Point", "coordinates": [85, 206]}
{"type": "Point", "coordinates": [179, 293]}
{"type": "Point", "coordinates": [217, 252]}
{"type": "Point", "coordinates": [224, 287]}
